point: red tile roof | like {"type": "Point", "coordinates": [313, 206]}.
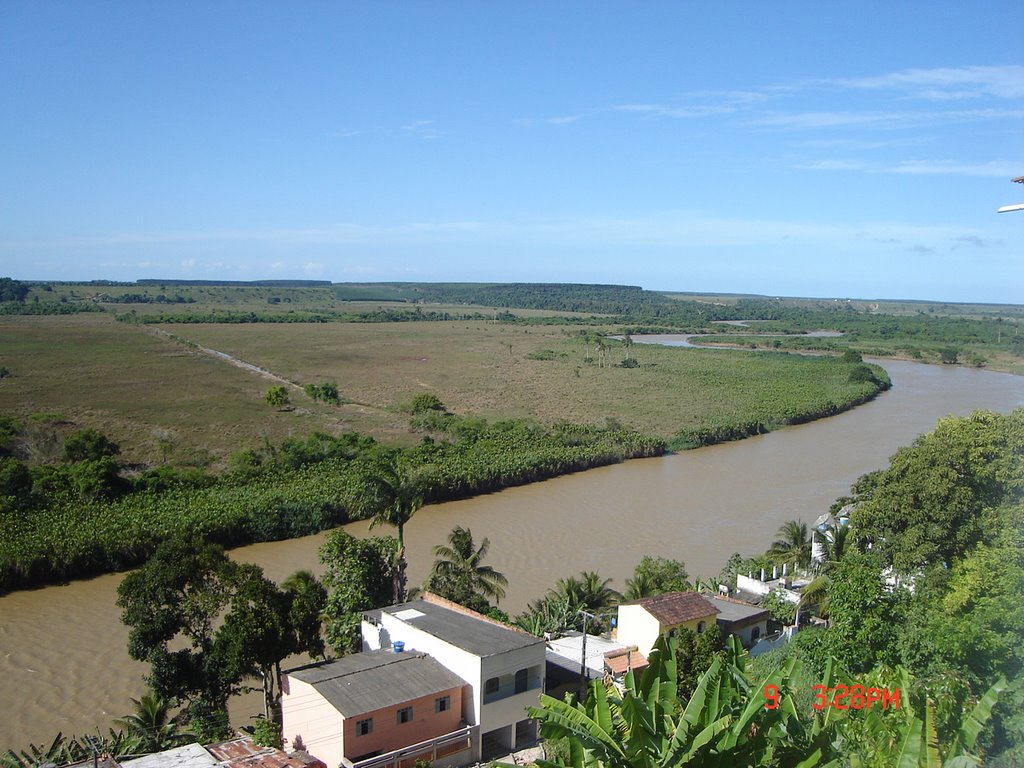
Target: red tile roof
{"type": "Point", "coordinates": [674, 608]}
{"type": "Point", "coordinates": [621, 661]}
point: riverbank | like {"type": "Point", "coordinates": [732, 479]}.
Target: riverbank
{"type": "Point", "coordinates": [67, 646]}
{"type": "Point", "coordinates": [293, 490]}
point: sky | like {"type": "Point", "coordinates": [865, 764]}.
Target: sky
{"type": "Point", "coordinates": [854, 149]}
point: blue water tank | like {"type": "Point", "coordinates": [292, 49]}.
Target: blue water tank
{"type": "Point", "coordinates": [398, 646]}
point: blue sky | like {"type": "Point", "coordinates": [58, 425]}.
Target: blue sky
{"type": "Point", "coordinates": [802, 149]}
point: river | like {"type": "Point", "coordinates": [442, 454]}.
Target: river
{"type": "Point", "coordinates": [63, 661]}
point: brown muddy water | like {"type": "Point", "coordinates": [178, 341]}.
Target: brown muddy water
{"type": "Point", "coordinates": [63, 663]}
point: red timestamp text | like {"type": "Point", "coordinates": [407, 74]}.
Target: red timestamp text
{"type": "Point", "coordinates": [841, 697]}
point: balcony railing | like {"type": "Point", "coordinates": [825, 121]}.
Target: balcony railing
{"type": "Point", "coordinates": [430, 750]}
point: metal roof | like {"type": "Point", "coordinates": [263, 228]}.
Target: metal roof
{"type": "Point", "coordinates": [364, 682]}
{"type": "Point", "coordinates": [479, 636]}
{"type": "Point", "coordinates": [188, 756]}
{"type": "Point", "coordinates": [731, 611]}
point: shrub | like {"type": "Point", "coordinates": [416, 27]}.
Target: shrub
{"type": "Point", "coordinates": [327, 392]}
{"type": "Point", "coordinates": [424, 403]}
{"type": "Point", "coordinates": [277, 397]}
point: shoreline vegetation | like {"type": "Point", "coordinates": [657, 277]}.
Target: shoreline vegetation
{"type": "Point", "coordinates": [540, 397]}
{"type": "Point", "coordinates": [65, 529]}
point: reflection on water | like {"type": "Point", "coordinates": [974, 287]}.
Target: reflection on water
{"type": "Point", "coordinates": [62, 649]}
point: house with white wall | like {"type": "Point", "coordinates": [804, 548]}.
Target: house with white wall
{"type": "Point", "coordinates": [503, 667]}
{"type": "Point", "coordinates": [641, 622]}
{"type": "Point", "coordinates": [376, 709]}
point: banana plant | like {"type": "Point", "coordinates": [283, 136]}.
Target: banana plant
{"type": "Point", "coordinates": [725, 722]}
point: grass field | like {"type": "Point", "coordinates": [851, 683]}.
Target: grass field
{"type": "Point", "coordinates": [129, 381]}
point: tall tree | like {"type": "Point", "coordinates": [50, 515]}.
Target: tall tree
{"type": "Point", "coordinates": [153, 726]}
{"type": "Point", "coordinates": [656, 576]}
{"type": "Point", "coordinates": [793, 545]}
{"type": "Point", "coordinates": [460, 575]}
{"type": "Point", "coordinates": [358, 577]}
{"type": "Point", "coordinates": [170, 606]}
{"type": "Point", "coordinates": [307, 602]}
{"type": "Point", "coordinates": [392, 494]}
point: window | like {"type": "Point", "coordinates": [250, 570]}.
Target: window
{"type": "Point", "coordinates": [491, 686]}
{"type": "Point", "coordinates": [755, 634]}
{"type": "Point", "coordinates": [443, 704]}
{"type": "Point", "coordinates": [405, 715]}
{"type": "Point", "coordinates": [522, 677]}
{"type": "Point", "coordinates": [700, 627]}
{"type": "Point", "coordinates": [364, 727]}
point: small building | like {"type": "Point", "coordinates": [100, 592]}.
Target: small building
{"type": "Point", "coordinates": [642, 622]}
{"type": "Point", "coordinates": [503, 667]}
{"type": "Point", "coordinates": [243, 752]}
{"type": "Point", "coordinates": [377, 708]}
{"type": "Point", "coordinates": [603, 657]}
{"type": "Point", "coordinates": [735, 617]}
{"type": "Point", "coordinates": [187, 756]}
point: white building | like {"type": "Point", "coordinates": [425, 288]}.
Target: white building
{"type": "Point", "coordinates": [503, 667]}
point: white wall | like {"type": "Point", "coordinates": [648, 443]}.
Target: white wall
{"type": "Point", "coordinates": [509, 710]}
{"type": "Point", "coordinates": [637, 627]}
{"type": "Point", "coordinates": [463, 663]}
{"type": "Point", "coordinates": [307, 714]}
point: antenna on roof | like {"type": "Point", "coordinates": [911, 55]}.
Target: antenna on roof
{"type": "Point", "coordinates": [1017, 206]}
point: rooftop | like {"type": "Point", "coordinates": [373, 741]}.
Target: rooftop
{"type": "Point", "coordinates": [673, 608]}
{"type": "Point", "coordinates": [464, 629]}
{"type": "Point", "coordinates": [730, 610]}
{"type": "Point", "coordinates": [570, 646]}
{"type": "Point", "coordinates": [188, 756]}
{"type": "Point", "coordinates": [244, 753]}
{"type": "Point", "coordinates": [364, 682]}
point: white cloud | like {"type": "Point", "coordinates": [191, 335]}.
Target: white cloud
{"type": "Point", "coordinates": [948, 83]}
{"type": "Point", "coordinates": [424, 129]}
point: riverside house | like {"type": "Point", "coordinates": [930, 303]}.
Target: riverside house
{"type": "Point", "coordinates": [641, 622]}
{"type": "Point", "coordinates": [380, 708]}
{"type": "Point", "coordinates": [503, 668]}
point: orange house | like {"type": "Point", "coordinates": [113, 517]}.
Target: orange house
{"type": "Point", "coordinates": [382, 708]}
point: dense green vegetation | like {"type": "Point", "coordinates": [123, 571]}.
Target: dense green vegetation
{"type": "Point", "coordinates": [945, 522]}
{"type": "Point", "coordinates": [74, 519]}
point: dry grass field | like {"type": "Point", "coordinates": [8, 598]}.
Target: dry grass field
{"type": "Point", "coordinates": [130, 381]}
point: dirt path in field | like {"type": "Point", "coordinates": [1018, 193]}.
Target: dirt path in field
{"type": "Point", "coordinates": [230, 359]}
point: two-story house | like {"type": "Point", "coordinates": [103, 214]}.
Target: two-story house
{"type": "Point", "coordinates": [503, 667]}
{"type": "Point", "coordinates": [397, 706]}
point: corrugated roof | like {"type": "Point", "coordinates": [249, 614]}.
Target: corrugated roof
{"type": "Point", "coordinates": [673, 608]}
{"type": "Point", "coordinates": [244, 753]}
{"type": "Point", "coordinates": [364, 682]}
{"type": "Point", "coordinates": [476, 635]}
{"type": "Point", "coordinates": [188, 756]}
{"type": "Point", "coordinates": [733, 610]}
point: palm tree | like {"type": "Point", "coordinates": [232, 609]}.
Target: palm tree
{"type": "Point", "coordinates": [152, 724]}
{"type": "Point", "coordinates": [589, 592]}
{"type": "Point", "coordinates": [836, 543]}
{"type": "Point", "coordinates": [458, 573]}
{"type": "Point", "coordinates": [793, 545]}
{"type": "Point", "coordinates": [392, 496]}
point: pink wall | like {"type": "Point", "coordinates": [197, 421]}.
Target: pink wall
{"type": "Point", "coordinates": [388, 734]}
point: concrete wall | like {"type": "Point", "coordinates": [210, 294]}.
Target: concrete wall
{"type": "Point", "coordinates": [307, 714]}
{"type": "Point", "coordinates": [637, 627]}
{"type": "Point", "coordinates": [507, 708]}
{"type": "Point", "coordinates": [462, 663]}
{"type": "Point", "coordinates": [388, 734]}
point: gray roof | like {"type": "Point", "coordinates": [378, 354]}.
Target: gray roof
{"type": "Point", "coordinates": [480, 637]}
{"type": "Point", "coordinates": [188, 756]}
{"type": "Point", "coordinates": [731, 612]}
{"type": "Point", "coordinates": [364, 682]}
